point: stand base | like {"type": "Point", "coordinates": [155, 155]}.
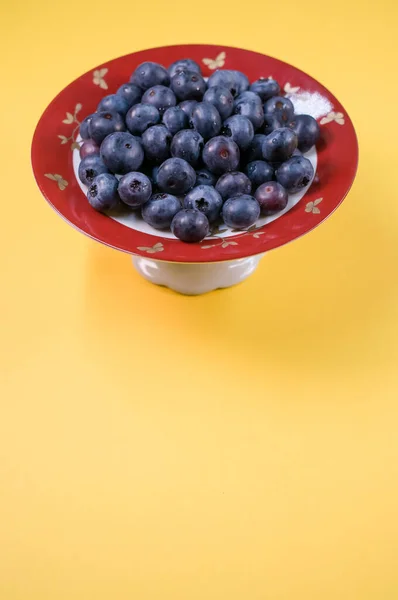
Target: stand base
{"type": "Point", "coordinates": [194, 279]}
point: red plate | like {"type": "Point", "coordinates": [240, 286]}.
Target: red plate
{"type": "Point", "coordinates": [57, 131]}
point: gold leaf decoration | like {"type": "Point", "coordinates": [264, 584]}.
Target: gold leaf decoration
{"type": "Point", "coordinates": [98, 78]}
{"type": "Point", "coordinates": [69, 118]}
{"type": "Point", "coordinates": [215, 63]}
{"type": "Point", "coordinates": [289, 89]}
{"type": "Point", "coordinates": [62, 183]}
{"type": "Point", "coordinates": [152, 249]}
{"type": "Point", "coordinates": [312, 207]}
{"type": "Point", "coordinates": [75, 146]}
{"type": "Point", "coordinates": [63, 138]}
{"type": "Point", "coordinates": [338, 117]}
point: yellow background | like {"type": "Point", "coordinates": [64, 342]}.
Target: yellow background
{"type": "Point", "coordinates": [241, 445]}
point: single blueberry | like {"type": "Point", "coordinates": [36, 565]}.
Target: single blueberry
{"type": "Point", "coordinates": [115, 103]}
{"type": "Point", "coordinates": [187, 106]}
{"type": "Point", "coordinates": [222, 99]}
{"type": "Point", "coordinates": [281, 107]}
{"type": "Point", "coordinates": [188, 85]}
{"type": "Point", "coordinates": [272, 197]}
{"type": "Point", "coordinates": [187, 144]}
{"type": "Point", "coordinates": [279, 145]}
{"type": "Point", "coordinates": [175, 119]}
{"type": "Point", "coordinates": [206, 120]}
{"type": "Point", "coordinates": [240, 212]}
{"type": "Point", "coordinates": [190, 225]}
{"type": "Point", "coordinates": [295, 174]}
{"type": "Point", "coordinates": [160, 96]}
{"type": "Point", "coordinates": [134, 189]}
{"type": "Point", "coordinates": [307, 130]}
{"type": "Point", "coordinates": [205, 177]}
{"type": "Point", "coordinates": [103, 123]}
{"type": "Point", "coordinates": [140, 117]}
{"type": "Point", "coordinates": [233, 184]}
{"type": "Point", "coordinates": [176, 176]}
{"type": "Point", "coordinates": [102, 192]}
{"type": "Point", "coordinates": [88, 148]}
{"type": "Point", "coordinates": [184, 64]}
{"type": "Point", "coordinates": [240, 129]}
{"type": "Point", "coordinates": [220, 155]}
{"type": "Point", "coordinates": [265, 87]}
{"type": "Point", "coordinates": [248, 107]}
{"type": "Point", "coordinates": [121, 153]}
{"type": "Point", "coordinates": [148, 74]}
{"type": "Point", "coordinates": [131, 93]}
{"type": "Point", "coordinates": [156, 141]}
{"type": "Point", "coordinates": [160, 210]}
{"type": "Point", "coordinates": [84, 125]}
{"type": "Point", "coordinates": [259, 171]}
{"type": "Point", "coordinates": [90, 167]}
{"type": "Point", "coordinates": [248, 97]}
{"type": "Point", "coordinates": [235, 81]}
{"type": "Point", "coordinates": [206, 199]}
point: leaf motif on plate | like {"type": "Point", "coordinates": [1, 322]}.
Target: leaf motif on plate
{"type": "Point", "coordinates": [69, 119]}
{"type": "Point", "coordinates": [158, 247]}
{"type": "Point", "coordinates": [312, 207]}
{"type": "Point", "coordinates": [337, 117]}
{"type": "Point", "coordinates": [75, 146]}
{"type": "Point", "coordinates": [78, 108]}
{"type": "Point", "coordinates": [62, 183]}
{"type": "Point", "coordinates": [289, 89]}
{"type": "Point", "coordinates": [63, 138]}
{"type": "Point", "coordinates": [215, 63]}
{"type": "Point", "coordinates": [98, 78]}
{"type": "Point", "coordinates": [228, 243]}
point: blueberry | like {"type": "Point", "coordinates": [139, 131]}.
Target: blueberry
{"type": "Point", "coordinates": [307, 131]}
{"type": "Point", "coordinates": [279, 145]}
{"type": "Point", "coordinates": [281, 107]}
{"type": "Point", "coordinates": [176, 176]}
{"type": "Point", "coordinates": [240, 212]}
{"type": "Point", "coordinates": [248, 96]}
{"type": "Point", "coordinates": [88, 148]}
{"type": "Point", "coordinates": [175, 119]}
{"type": "Point", "coordinates": [188, 85]}
{"type": "Point", "coordinates": [265, 88]}
{"type": "Point", "coordinates": [187, 106]}
{"type": "Point", "coordinates": [206, 120]}
{"type": "Point", "coordinates": [190, 225]}
{"type": "Point", "coordinates": [240, 129]}
{"type": "Point", "coordinates": [131, 93]}
{"type": "Point", "coordinates": [249, 105]}
{"type": "Point", "coordinates": [184, 64]}
{"type": "Point", "coordinates": [84, 125]}
{"type": "Point", "coordinates": [206, 199]}
{"type": "Point", "coordinates": [140, 117]}
{"type": "Point", "coordinates": [149, 74]}
{"type": "Point", "coordinates": [220, 155]}
{"type": "Point", "coordinates": [103, 123]}
{"type": "Point", "coordinates": [259, 172]}
{"type": "Point", "coordinates": [222, 99]}
{"type": "Point", "coordinates": [295, 174]}
{"type": "Point", "coordinates": [271, 122]}
{"type": "Point", "coordinates": [102, 192]}
{"type": "Point", "coordinates": [235, 81]}
{"type": "Point", "coordinates": [255, 150]}
{"type": "Point", "coordinates": [160, 210]}
{"type": "Point", "coordinates": [159, 96]}
{"type": "Point", "coordinates": [187, 144]}
{"type": "Point", "coordinates": [115, 103]}
{"type": "Point", "coordinates": [121, 153]}
{"type": "Point", "coordinates": [233, 184]}
{"type": "Point", "coordinates": [272, 197]}
{"type": "Point", "coordinates": [156, 141]}
{"type": "Point", "coordinates": [135, 189]}
{"type": "Point", "coordinates": [205, 177]}
{"type": "Point", "coordinates": [90, 167]}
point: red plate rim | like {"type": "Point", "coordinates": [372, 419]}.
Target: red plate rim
{"type": "Point", "coordinates": [57, 129]}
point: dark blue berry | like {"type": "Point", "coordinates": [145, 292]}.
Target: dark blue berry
{"type": "Point", "coordinates": [259, 172]}
{"type": "Point", "coordinates": [272, 197]}
{"type": "Point", "coordinates": [156, 141]}
{"type": "Point", "coordinates": [88, 148]}
{"type": "Point", "coordinates": [279, 145]}
{"type": "Point", "coordinates": [249, 105]}
{"type": "Point", "coordinates": [188, 85]}
{"type": "Point", "coordinates": [84, 128]}
{"type": "Point", "coordinates": [184, 64]}
{"type": "Point", "coordinates": [131, 93]}
{"type": "Point", "coordinates": [176, 176]}
{"type": "Point", "coordinates": [135, 189]}
{"type": "Point", "coordinates": [271, 122]}
{"type": "Point", "coordinates": [281, 107]}
{"type": "Point", "coordinates": [160, 210]}
{"type": "Point", "coordinates": [115, 103]}
{"type": "Point", "coordinates": [255, 150]}
{"type": "Point", "coordinates": [205, 177]}
{"type": "Point", "coordinates": [241, 211]}
{"type": "Point", "coordinates": [187, 144]}
{"type": "Point", "coordinates": [295, 174]}
{"type": "Point", "coordinates": [90, 167]}
{"type": "Point", "coordinates": [235, 81]}
{"type": "Point", "coordinates": [206, 120]}
{"type": "Point", "coordinates": [102, 192]}
{"type": "Point", "coordinates": [187, 106]}
{"type": "Point", "coordinates": [206, 199]}
{"type": "Point", "coordinates": [140, 117]}
{"type": "Point", "coordinates": [175, 119]}
{"type": "Point", "coordinates": [121, 153]}
{"type": "Point", "coordinates": [265, 88]}
{"type": "Point", "coordinates": [190, 225]}
{"type": "Point", "coordinates": [222, 99]}
{"type": "Point", "coordinates": [159, 96]}
{"type": "Point", "coordinates": [149, 74]}
{"type": "Point", "coordinates": [307, 131]}
{"type": "Point", "coordinates": [220, 155]}
{"type": "Point", "coordinates": [233, 184]}
{"type": "Point", "coordinates": [240, 129]}
{"type": "Point", "coordinates": [103, 123]}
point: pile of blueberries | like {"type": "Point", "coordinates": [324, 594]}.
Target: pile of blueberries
{"type": "Point", "coordinates": [189, 154]}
